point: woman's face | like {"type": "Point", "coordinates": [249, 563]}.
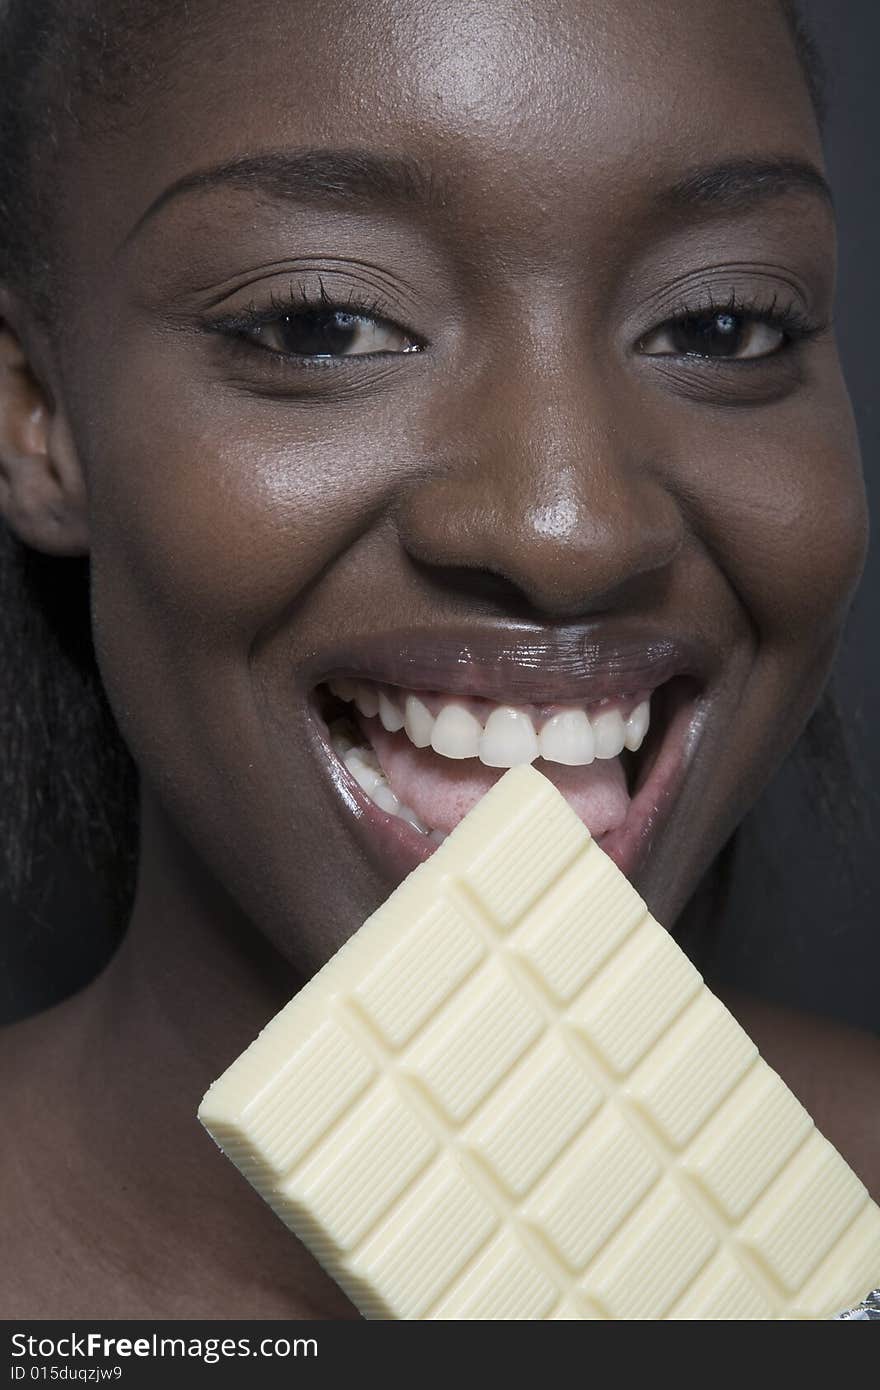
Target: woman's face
{"type": "Point", "coordinates": [507, 478]}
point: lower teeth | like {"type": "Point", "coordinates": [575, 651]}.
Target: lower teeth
{"type": "Point", "coordinates": [364, 767]}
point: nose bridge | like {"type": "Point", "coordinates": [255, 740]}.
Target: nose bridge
{"type": "Point", "coordinates": [541, 481]}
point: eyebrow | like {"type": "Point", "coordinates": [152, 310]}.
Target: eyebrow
{"type": "Point", "coordinates": [351, 178]}
{"type": "Point", "coordinates": [343, 178]}
{"type": "Point", "coordinates": [741, 185]}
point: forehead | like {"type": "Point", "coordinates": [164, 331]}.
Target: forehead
{"type": "Point", "coordinates": [503, 100]}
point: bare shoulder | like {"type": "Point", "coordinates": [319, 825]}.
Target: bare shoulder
{"type": "Point", "coordinates": [834, 1071]}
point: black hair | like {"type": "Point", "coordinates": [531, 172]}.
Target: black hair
{"type": "Point", "coordinates": [65, 65]}
{"type": "Point", "coordinates": [67, 780]}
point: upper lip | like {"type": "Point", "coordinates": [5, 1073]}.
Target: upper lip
{"type": "Point", "coordinates": [519, 663]}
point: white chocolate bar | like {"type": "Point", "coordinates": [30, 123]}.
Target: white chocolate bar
{"type": "Point", "coordinates": [510, 1095]}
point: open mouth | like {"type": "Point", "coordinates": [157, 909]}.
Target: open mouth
{"type": "Point", "coordinates": [413, 762]}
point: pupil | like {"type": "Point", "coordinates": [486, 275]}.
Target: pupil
{"type": "Point", "coordinates": [710, 335]}
{"type": "Point", "coordinates": [318, 332]}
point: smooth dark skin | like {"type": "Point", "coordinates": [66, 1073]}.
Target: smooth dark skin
{"type": "Point", "coordinates": [241, 514]}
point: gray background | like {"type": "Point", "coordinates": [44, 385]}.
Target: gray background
{"type": "Point", "coordinates": [793, 931]}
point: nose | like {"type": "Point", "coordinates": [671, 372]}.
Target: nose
{"type": "Point", "coordinates": [544, 481]}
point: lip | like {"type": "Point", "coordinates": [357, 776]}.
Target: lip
{"type": "Point", "coordinates": [528, 665]}
{"type": "Point", "coordinates": [518, 663]}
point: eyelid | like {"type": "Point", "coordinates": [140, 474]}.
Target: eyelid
{"type": "Point", "coordinates": [364, 326]}
{"type": "Point", "coordinates": [793, 322]}
{"type": "Point", "coordinates": [241, 327]}
{"type": "Point", "coordinates": [750, 322]}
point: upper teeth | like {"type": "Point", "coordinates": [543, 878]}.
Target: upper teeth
{"type": "Point", "coordinates": [509, 735]}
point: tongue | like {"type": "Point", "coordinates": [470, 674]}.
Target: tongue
{"type": "Point", "coordinates": [441, 791]}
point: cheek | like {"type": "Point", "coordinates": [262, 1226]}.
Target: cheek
{"type": "Point", "coordinates": [214, 516]}
{"type": "Point", "coordinates": [784, 514]}
{"type": "Point", "coordinates": [216, 521]}
{"type": "Point", "coordinates": [213, 519]}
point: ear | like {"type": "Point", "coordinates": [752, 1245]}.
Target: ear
{"type": "Point", "coordinates": [42, 488]}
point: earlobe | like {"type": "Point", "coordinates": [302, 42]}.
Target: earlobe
{"type": "Point", "coordinates": [42, 490]}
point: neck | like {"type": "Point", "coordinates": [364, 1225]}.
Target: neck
{"type": "Point", "coordinates": [202, 978]}
{"type": "Point", "coordinates": [189, 989]}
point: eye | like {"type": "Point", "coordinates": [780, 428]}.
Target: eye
{"type": "Point", "coordinates": [714, 334]}
{"type": "Point", "coordinates": [330, 332]}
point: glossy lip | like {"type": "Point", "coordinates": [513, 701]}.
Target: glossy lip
{"type": "Point", "coordinates": [518, 664]}
{"type": "Point", "coordinates": [528, 667]}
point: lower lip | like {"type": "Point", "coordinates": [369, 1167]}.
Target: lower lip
{"type": "Point", "coordinates": [395, 848]}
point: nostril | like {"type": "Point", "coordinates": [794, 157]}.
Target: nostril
{"type": "Point", "coordinates": [572, 535]}
{"type": "Point", "coordinates": [477, 583]}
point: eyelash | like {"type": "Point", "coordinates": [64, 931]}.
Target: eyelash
{"type": "Point", "coordinates": [796, 326]}
{"type": "Point", "coordinates": [297, 299]}
{"type": "Point", "coordinates": [790, 320]}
